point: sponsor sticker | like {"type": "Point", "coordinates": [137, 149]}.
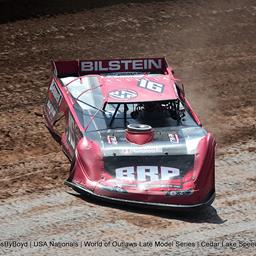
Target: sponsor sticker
{"type": "Point", "coordinates": [124, 65]}
{"type": "Point", "coordinates": [112, 139]}
{"type": "Point", "coordinates": [143, 150]}
{"type": "Point", "coordinates": [147, 173]}
{"type": "Point", "coordinates": [174, 138]}
{"type": "Point", "coordinates": [123, 94]}
{"type": "Point", "coordinates": [71, 131]}
{"type": "Point", "coordinates": [151, 86]}
{"type": "Point", "coordinates": [51, 110]}
{"type": "Point", "coordinates": [55, 91]}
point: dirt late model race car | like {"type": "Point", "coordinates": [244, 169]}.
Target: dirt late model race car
{"type": "Point", "coordinates": [130, 133]}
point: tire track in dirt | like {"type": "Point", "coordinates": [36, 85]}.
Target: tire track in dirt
{"type": "Point", "coordinates": [42, 173]}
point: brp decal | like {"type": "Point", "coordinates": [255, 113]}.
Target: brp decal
{"type": "Point", "coordinates": [56, 93]}
{"type": "Point", "coordinates": [123, 94]}
{"type": "Point", "coordinates": [147, 173]}
{"type": "Point", "coordinates": [151, 86]}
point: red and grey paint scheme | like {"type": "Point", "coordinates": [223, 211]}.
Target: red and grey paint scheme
{"type": "Point", "coordinates": [130, 133]}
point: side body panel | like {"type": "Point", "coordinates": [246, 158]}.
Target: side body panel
{"type": "Point", "coordinates": [58, 106]}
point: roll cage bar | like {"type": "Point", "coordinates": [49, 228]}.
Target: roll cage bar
{"type": "Point", "coordinates": [174, 109]}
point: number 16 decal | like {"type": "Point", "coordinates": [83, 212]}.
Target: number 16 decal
{"type": "Point", "coordinates": [151, 86]}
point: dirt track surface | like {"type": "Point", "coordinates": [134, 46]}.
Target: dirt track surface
{"type": "Point", "coordinates": [211, 46]}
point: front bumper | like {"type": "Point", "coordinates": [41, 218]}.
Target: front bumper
{"type": "Point", "coordinates": [83, 191]}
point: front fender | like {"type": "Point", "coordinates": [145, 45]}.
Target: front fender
{"type": "Point", "coordinates": [88, 166]}
{"type": "Point", "coordinates": [204, 165]}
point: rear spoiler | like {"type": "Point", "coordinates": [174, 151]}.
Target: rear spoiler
{"type": "Point", "coordinates": [86, 67]}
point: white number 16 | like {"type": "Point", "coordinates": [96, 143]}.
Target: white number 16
{"type": "Point", "coordinates": [151, 86]}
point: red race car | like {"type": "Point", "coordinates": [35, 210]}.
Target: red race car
{"type": "Point", "coordinates": [130, 133]}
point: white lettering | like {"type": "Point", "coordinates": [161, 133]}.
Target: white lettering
{"type": "Point", "coordinates": [145, 64]}
{"type": "Point", "coordinates": [152, 86]}
{"type": "Point", "coordinates": [126, 64]}
{"type": "Point", "coordinates": [87, 66]}
{"type": "Point", "coordinates": [125, 173]}
{"type": "Point", "coordinates": [156, 87]}
{"type": "Point", "coordinates": [114, 65]}
{"type": "Point", "coordinates": [137, 65]}
{"type": "Point", "coordinates": [101, 68]}
{"type": "Point", "coordinates": [143, 83]}
{"type": "Point", "coordinates": [153, 63]}
{"type": "Point", "coordinates": [169, 172]}
{"type": "Point", "coordinates": [121, 65]}
{"type": "Point", "coordinates": [147, 173]}
{"type": "Point", "coordinates": [96, 66]}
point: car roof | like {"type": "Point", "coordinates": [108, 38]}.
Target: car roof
{"type": "Point", "coordinates": [115, 88]}
{"type": "Point", "coordinates": [138, 88]}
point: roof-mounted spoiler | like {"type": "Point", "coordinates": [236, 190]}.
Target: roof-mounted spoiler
{"type": "Point", "coordinates": [86, 67]}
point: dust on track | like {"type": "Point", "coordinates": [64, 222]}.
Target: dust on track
{"type": "Point", "coordinates": [210, 47]}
